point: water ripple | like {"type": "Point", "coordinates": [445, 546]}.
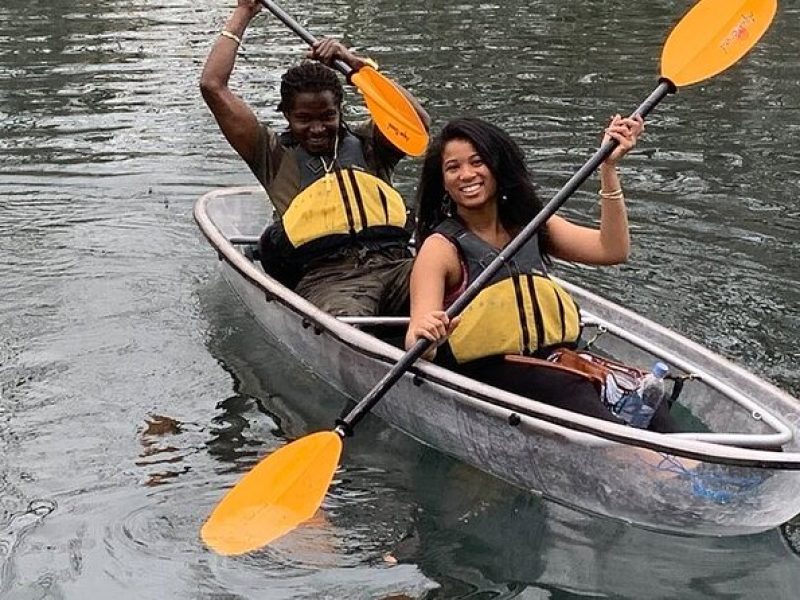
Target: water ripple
{"type": "Point", "coordinates": [134, 390]}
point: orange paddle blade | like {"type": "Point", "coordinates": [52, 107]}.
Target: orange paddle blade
{"type": "Point", "coordinates": [712, 36]}
{"type": "Point", "coordinates": [392, 112]}
{"type": "Point", "coordinates": [283, 490]}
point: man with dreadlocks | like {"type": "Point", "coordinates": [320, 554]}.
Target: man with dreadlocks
{"type": "Point", "coordinates": [310, 171]}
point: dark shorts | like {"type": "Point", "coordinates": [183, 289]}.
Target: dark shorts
{"type": "Point", "coordinates": [562, 389]}
{"type": "Point", "coordinates": [360, 283]}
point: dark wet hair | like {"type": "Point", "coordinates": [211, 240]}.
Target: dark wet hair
{"type": "Point", "coordinates": [505, 160]}
{"type": "Point", "coordinates": [308, 76]}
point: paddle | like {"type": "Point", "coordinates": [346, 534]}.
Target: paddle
{"type": "Point", "coordinates": [393, 113]}
{"type": "Point", "coordinates": [287, 487]}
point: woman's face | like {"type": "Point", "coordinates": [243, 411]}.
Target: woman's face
{"type": "Point", "coordinates": [467, 178]}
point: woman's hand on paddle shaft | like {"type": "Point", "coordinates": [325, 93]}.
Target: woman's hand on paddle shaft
{"type": "Point", "coordinates": [327, 50]}
{"type": "Point", "coordinates": [434, 326]}
{"type": "Point", "coordinates": [626, 130]}
{"type": "Point", "coordinates": [253, 7]}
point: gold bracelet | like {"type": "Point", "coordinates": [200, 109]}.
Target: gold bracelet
{"type": "Point", "coordinates": [616, 194]}
{"type": "Point", "coordinates": [231, 36]}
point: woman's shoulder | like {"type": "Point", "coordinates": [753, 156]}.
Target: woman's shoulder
{"type": "Point", "coordinates": [439, 241]}
{"type": "Point", "coordinates": [437, 248]}
{"type": "Point", "coordinates": [449, 228]}
{"type": "Point", "coordinates": [439, 255]}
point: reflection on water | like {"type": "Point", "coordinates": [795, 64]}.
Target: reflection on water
{"type": "Point", "coordinates": [13, 528]}
{"type": "Point", "coordinates": [160, 450]}
{"type": "Point", "coordinates": [396, 503]}
{"type": "Point", "coordinates": [791, 532]}
{"type": "Point", "coordinates": [133, 391]}
{"type": "Point", "coordinates": [481, 538]}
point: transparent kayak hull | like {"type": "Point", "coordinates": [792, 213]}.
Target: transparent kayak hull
{"type": "Point", "coordinates": [723, 478]}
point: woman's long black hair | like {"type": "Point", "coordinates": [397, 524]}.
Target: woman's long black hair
{"type": "Point", "coordinates": [517, 199]}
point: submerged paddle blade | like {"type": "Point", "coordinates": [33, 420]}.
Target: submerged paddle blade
{"type": "Point", "coordinates": [283, 490]}
{"type": "Point", "coordinates": [712, 36]}
{"type": "Point", "coordinates": [392, 112]}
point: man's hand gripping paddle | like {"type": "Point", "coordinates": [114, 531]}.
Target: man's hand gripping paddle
{"type": "Point", "coordinates": [391, 110]}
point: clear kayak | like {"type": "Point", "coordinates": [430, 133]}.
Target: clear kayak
{"type": "Point", "coordinates": [734, 470]}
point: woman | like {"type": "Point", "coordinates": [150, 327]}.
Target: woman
{"type": "Point", "coordinates": [475, 195]}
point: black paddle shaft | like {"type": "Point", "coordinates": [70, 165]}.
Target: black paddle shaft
{"type": "Point", "coordinates": [346, 424]}
{"type": "Point", "coordinates": [309, 39]}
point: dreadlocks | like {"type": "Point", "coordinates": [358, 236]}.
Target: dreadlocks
{"type": "Point", "coordinates": [308, 77]}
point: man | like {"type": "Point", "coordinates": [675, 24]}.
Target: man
{"type": "Point", "coordinates": [341, 234]}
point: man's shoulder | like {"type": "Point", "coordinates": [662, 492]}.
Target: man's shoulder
{"type": "Point", "coordinates": [274, 138]}
{"type": "Point", "coordinates": [275, 146]}
{"type": "Point", "coordinates": [382, 155]}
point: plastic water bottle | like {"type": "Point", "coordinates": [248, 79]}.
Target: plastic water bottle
{"type": "Point", "coordinates": [651, 392]}
{"type": "Point", "coordinates": [628, 406]}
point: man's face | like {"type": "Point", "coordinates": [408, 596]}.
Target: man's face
{"type": "Point", "coordinates": [314, 120]}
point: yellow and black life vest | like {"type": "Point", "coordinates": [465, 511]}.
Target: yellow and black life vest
{"type": "Point", "coordinates": [520, 310]}
{"type": "Point", "coordinates": [341, 203]}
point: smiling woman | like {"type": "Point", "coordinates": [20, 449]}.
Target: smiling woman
{"type": "Point", "coordinates": [467, 178]}
{"type": "Point", "coordinates": [475, 196]}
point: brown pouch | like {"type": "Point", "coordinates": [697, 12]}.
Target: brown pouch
{"type": "Point", "coordinates": [626, 377]}
{"type": "Point", "coordinates": [597, 369]}
{"type": "Point", "coordinates": [576, 367]}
